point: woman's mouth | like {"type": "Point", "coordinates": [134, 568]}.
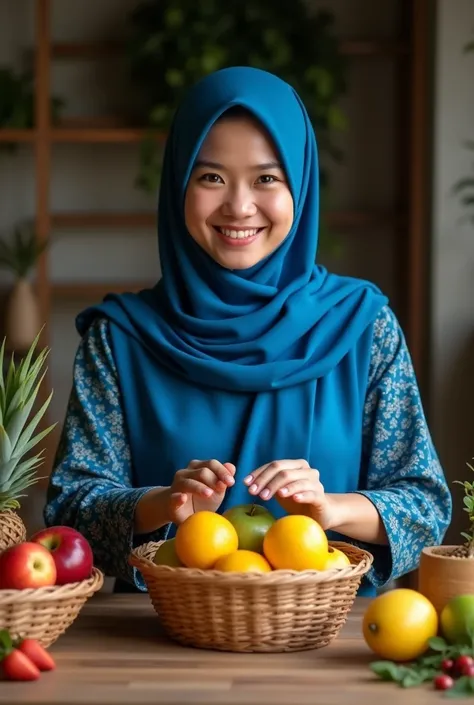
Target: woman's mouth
{"type": "Point", "coordinates": [238, 238]}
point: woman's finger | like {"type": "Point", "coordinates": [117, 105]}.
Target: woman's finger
{"type": "Point", "coordinates": [300, 478]}
{"type": "Point", "coordinates": [302, 485]}
{"type": "Point", "coordinates": [271, 469]}
{"type": "Point", "coordinates": [192, 486]}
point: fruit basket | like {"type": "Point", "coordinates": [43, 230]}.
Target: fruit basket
{"type": "Point", "coordinates": [283, 610]}
{"type": "Point", "coordinates": [45, 613]}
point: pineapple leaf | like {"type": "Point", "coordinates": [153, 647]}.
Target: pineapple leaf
{"type": "Point", "coordinates": [14, 464]}
{"type": "Point", "coordinates": [25, 469]}
{"type": "Point", "coordinates": [24, 444]}
{"type": "Point", "coordinates": [26, 362]}
{"type": "Point", "coordinates": [5, 446]}
{"type": "Point", "coordinates": [36, 439]}
{"type": "Point", "coordinates": [20, 418]}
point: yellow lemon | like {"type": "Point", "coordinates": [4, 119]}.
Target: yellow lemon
{"type": "Point", "coordinates": [398, 624]}
{"type": "Point", "coordinates": [335, 559]}
{"type": "Point", "coordinates": [295, 542]}
{"type": "Point", "coordinates": [203, 538]}
{"type": "Point", "coordinates": [243, 561]}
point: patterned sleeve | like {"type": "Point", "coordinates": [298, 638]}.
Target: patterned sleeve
{"type": "Point", "coordinates": [91, 487]}
{"type": "Point", "coordinates": [404, 479]}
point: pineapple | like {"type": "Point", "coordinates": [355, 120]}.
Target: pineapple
{"type": "Point", "coordinates": [18, 392]}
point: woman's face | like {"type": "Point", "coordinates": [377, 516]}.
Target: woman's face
{"type": "Point", "coordinates": [238, 205]}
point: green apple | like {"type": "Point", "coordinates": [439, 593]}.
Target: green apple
{"type": "Point", "coordinates": [457, 619]}
{"type": "Point", "coordinates": [166, 554]}
{"type": "Point", "coordinates": [251, 521]}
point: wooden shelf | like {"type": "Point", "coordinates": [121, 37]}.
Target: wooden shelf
{"type": "Point", "coordinates": [94, 135]}
{"type": "Point", "coordinates": [337, 219]}
{"type": "Point", "coordinates": [87, 50]}
{"type": "Point", "coordinates": [93, 290]}
{"type": "Point", "coordinates": [17, 135]}
{"type": "Point", "coordinates": [87, 221]}
{"type": "Point", "coordinates": [113, 49]}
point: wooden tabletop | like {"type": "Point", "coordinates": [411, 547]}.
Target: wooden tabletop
{"type": "Point", "coordinates": [116, 653]}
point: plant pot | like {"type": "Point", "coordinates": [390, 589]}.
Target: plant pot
{"type": "Point", "coordinates": [12, 529]}
{"type": "Point", "coordinates": [441, 576]}
{"type": "Point", "coordinates": [22, 320]}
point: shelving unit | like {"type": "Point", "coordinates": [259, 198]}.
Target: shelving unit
{"type": "Point", "coordinates": [410, 220]}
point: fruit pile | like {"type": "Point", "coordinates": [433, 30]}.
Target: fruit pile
{"type": "Point", "coordinates": [247, 538]}
{"type": "Point", "coordinates": [23, 659]}
{"type": "Point", "coordinates": [54, 556]}
{"type": "Point", "coordinates": [417, 645]}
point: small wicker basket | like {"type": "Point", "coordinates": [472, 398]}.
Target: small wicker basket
{"type": "Point", "coordinates": [45, 613]}
{"type": "Point", "coordinates": [252, 612]}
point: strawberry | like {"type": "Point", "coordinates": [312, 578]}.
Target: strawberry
{"type": "Point", "coordinates": [37, 654]}
{"type": "Point", "coordinates": [17, 666]}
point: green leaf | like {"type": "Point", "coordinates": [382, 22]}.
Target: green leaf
{"type": "Point", "coordinates": [462, 686]}
{"type": "Point", "coordinates": [468, 537]}
{"type": "Point", "coordinates": [387, 670]}
{"type": "Point", "coordinates": [437, 643]}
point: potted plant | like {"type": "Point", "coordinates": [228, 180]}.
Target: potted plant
{"type": "Point", "coordinates": [447, 571]}
{"type": "Point", "coordinates": [22, 318]}
{"type": "Point", "coordinates": [19, 386]}
{"type": "Point", "coordinates": [174, 43]}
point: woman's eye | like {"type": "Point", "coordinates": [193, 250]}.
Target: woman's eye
{"type": "Point", "coordinates": [211, 178]}
{"type": "Point", "coordinates": [266, 179]}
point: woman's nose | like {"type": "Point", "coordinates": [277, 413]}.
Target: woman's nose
{"type": "Point", "coordinates": [239, 204]}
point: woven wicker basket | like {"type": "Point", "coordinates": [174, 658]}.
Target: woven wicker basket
{"type": "Point", "coordinates": [12, 529]}
{"type": "Point", "coordinates": [252, 612]}
{"type": "Point", "coordinates": [45, 613]}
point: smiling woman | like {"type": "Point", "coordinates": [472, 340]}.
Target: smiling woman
{"type": "Point", "coordinates": [249, 372]}
{"type": "Point", "coordinates": [238, 206]}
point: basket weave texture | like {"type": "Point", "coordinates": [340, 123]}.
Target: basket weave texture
{"type": "Point", "coordinates": [45, 613]}
{"type": "Point", "coordinates": [252, 612]}
{"type": "Point", "coordinates": [12, 529]}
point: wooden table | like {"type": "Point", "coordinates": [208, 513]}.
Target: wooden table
{"type": "Point", "coordinates": [116, 653]}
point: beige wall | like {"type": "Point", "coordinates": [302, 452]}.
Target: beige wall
{"type": "Point", "coordinates": [452, 342]}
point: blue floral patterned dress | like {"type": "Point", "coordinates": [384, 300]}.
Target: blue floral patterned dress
{"type": "Point", "coordinates": [91, 485]}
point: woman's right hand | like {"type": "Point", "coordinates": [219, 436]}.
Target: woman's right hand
{"type": "Point", "coordinates": [201, 486]}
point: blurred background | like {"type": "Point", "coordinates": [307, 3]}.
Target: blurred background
{"type": "Point", "coordinates": [87, 91]}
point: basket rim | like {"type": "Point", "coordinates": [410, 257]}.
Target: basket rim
{"type": "Point", "coordinates": [284, 576]}
{"type": "Point", "coordinates": [51, 593]}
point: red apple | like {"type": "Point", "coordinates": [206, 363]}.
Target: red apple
{"type": "Point", "coordinates": [26, 565]}
{"type": "Point", "coordinates": [70, 550]}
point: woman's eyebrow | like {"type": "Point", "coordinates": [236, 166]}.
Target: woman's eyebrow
{"type": "Point", "coordinates": [215, 165]}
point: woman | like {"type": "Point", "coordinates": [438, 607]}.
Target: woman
{"type": "Point", "coordinates": [248, 372]}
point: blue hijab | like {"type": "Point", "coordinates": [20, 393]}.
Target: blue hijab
{"type": "Point", "coordinates": [251, 365]}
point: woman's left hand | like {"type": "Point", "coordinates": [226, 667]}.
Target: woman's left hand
{"type": "Point", "coordinates": [297, 488]}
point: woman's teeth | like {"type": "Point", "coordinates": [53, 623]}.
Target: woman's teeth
{"type": "Point", "coordinates": [238, 234]}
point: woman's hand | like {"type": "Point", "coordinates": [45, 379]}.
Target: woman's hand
{"type": "Point", "coordinates": [200, 486]}
{"type": "Point", "coordinates": [297, 488]}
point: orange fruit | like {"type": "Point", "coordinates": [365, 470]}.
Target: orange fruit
{"type": "Point", "coordinates": [203, 538]}
{"type": "Point", "coordinates": [398, 624]}
{"type": "Point", "coordinates": [295, 542]}
{"type": "Point", "coordinates": [243, 561]}
{"type": "Point", "coordinates": [166, 554]}
{"type": "Point", "coordinates": [335, 559]}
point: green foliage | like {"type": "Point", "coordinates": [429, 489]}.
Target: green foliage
{"type": "Point", "coordinates": [176, 42]}
{"type": "Point", "coordinates": [426, 667]}
{"type": "Point", "coordinates": [468, 501]}
{"type": "Point", "coordinates": [22, 252]}
{"type": "Point", "coordinates": [17, 101]}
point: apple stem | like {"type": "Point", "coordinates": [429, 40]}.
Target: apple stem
{"type": "Point", "coordinates": [252, 509]}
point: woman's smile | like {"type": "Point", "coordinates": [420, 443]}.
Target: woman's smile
{"type": "Point", "coordinates": [238, 237]}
